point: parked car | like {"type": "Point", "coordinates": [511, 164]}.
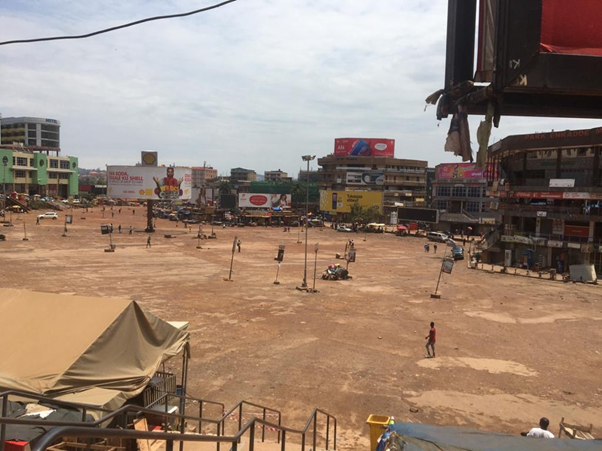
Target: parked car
{"type": "Point", "coordinates": [48, 215]}
{"type": "Point", "coordinates": [458, 253]}
{"type": "Point", "coordinates": [344, 229]}
{"type": "Point", "coordinates": [437, 236]}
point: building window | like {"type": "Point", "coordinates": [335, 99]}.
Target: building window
{"type": "Point", "coordinates": [20, 174]}
{"type": "Point", "coordinates": [21, 161]}
{"type": "Point", "coordinates": [31, 142]}
{"type": "Point", "coordinates": [53, 163]}
{"type": "Point", "coordinates": [442, 204]}
{"type": "Point", "coordinates": [443, 191]}
{"type": "Point", "coordinates": [474, 191]}
{"type": "Point", "coordinates": [52, 175]}
{"type": "Point", "coordinates": [31, 134]}
{"type": "Point", "coordinates": [64, 164]}
{"type": "Point", "coordinates": [64, 176]}
{"type": "Point", "coordinates": [31, 126]}
{"type": "Point", "coordinates": [459, 191]}
{"type": "Point", "coordinates": [473, 207]}
{"type": "Point", "coordinates": [31, 162]}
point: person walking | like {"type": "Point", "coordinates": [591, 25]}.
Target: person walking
{"type": "Point", "coordinates": [238, 243]}
{"type": "Point", "coordinates": [435, 247]}
{"type": "Point", "coordinates": [431, 339]}
{"type": "Point", "coordinates": [426, 247]}
{"type": "Point", "coordinates": [120, 211]}
{"type": "Point", "coordinates": [131, 229]}
{"type": "Point", "coordinates": [112, 214]}
{"type": "Point", "coordinates": [148, 242]}
{"type": "Point", "coordinates": [37, 221]}
{"type": "Point", "coordinates": [133, 211]}
{"type": "Point", "coordinates": [119, 228]}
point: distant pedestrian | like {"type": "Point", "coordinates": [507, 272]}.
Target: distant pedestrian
{"type": "Point", "coordinates": [148, 242]}
{"type": "Point", "coordinates": [431, 339]}
{"type": "Point", "coordinates": [111, 227]}
{"type": "Point", "coordinates": [120, 211]}
{"type": "Point", "coordinates": [119, 228]}
{"type": "Point", "coordinates": [131, 229]}
{"type": "Point", "coordinates": [238, 243]}
{"type": "Point", "coordinates": [133, 211]}
{"type": "Point", "coordinates": [426, 247]}
{"type": "Point", "coordinates": [435, 247]}
{"type": "Point", "coordinates": [37, 221]}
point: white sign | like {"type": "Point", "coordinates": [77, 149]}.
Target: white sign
{"type": "Point", "coordinates": [542, 214]}
{"type": "Point", "coordinates": [256, 200]}
{"type": "Point", "coordinates": [556, 244]}
{"type": "Point", "coordinates": [393, 218]}
{"type": "Point", "coordinates": [562, 183]}
{"type": "Point", "coordinates": [366, 178]}
{"type": "Point", "coordinates": [139, 182]}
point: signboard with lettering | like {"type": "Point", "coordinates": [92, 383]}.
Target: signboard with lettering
{"type": "Point", "coordinates": [139, 182]}
{"type": "Point", "coordinates": [342, 201]}
{"type": "Point", "coordinates": [562, 183]}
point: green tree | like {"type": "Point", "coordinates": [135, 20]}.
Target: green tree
{"type": "Point", "coordinates": [225, 187]}
{"type": "Point", "coordinates": [298, 194]}
{"type": "Point", "coordinates": [363, 215]}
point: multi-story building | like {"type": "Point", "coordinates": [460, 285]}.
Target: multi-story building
{"type": "Point", "coordinates": [276, 176]}
{"type": "Point", "coordinates": [33, 133]}
{"type": "Point", "coordinates": [460, 195]}
{"type": "Point", "coordinates": [201, 174]}
{"type": "Point", "coordinates": [403, 182]}
{"type": "Point", "coordinates": [242, 175]}
{"type": "Point", "coordinates": [314, 176]}
{"type": "Point", "coordinates": [38, 172]}
{"type": "Point", "coordinates": [549, 188]}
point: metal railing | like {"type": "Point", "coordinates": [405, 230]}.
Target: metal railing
{"type": "Point", "coordinates": [91, 428]}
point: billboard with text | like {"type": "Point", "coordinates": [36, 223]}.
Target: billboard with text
{"type": "Point", "coordinates": [366, 178]}
{"type": "Point", "coordinates": [364, 147]}
{"type": "Point", "coordinates": [147, 182]}
{"type": "Point", "coordinates": [459, 171]}
{"type": "Point", "coordinates": [342, 201]}
{"type": "Point", "coordinates": [253, 200]}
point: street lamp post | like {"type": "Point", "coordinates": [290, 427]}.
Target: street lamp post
{"type": "Point", "coordinates": [307, 158]}
{"type": "Point", "coordinates": [4, 163]}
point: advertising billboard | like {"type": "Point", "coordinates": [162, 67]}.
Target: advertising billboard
{"type": "Point", "coordinates": [364, 147]}
{"type": "Point", "coordinates": [370, 178]}
{"type": "Point", "coordinates": [146, 182]}
{"type": "Point", "coordinates": [462, 171]}
{"type": "Point", "coordinates": [257, 200]}
{"type": "Point", "coordinates": [149, 158]}
{"type": "Point", "coordinates": [418, 214]}
{"type": "Point", "coordinates": [342, 201]}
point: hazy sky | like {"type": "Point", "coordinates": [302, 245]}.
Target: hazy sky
{"type": "Point", "coordinates": [257, 83]}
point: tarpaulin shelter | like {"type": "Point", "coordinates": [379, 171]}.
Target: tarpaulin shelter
{"type": "Point", "coordinates": [99, 351]}
{"type": "Point", "coordinates": [421, 437]}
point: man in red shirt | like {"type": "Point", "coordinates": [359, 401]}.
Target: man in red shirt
{"type": "Point", "coordinates": [432, 338]}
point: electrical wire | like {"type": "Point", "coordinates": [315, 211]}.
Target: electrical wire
{"type": "Point", "coordinates": [119, 27]}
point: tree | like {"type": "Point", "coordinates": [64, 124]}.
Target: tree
{"type": "Point", "coordinates": [298, 194]}
{"type": "Point", "coordinates": [225, 187]}
{"type": "Point", "coordinates": [363, 215]}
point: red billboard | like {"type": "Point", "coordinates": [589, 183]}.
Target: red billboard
{"type": "Point", "coordinates": [364, 147]}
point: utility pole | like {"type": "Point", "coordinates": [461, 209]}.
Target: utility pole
{"type": "Point", "coordinates": [307, 158]}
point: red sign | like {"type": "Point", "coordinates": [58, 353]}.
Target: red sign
{"type": "Point", "coordinates": [579, 231]}
{"type": "Point", "coordinates": [258, 199]}
{"type": "Point", "coordinates": [364, 147]}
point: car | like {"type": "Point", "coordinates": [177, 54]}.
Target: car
{"type": "Point", "coordinates": [344, 229]}
{"type": "Point", "coordinates": [48, 215]}
{"type": "Point", "coordinates": [437, 236]}
{"type": "Point", "coordinates": [458, 253]}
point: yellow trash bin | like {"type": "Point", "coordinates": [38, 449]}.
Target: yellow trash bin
{"type": "Point", "coordinates": [378, 424]}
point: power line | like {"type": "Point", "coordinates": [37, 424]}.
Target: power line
{"type": "Point", "coordinates": [119, 27]}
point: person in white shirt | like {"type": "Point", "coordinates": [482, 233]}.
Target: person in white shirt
{"type": "Point", "coordinates": [541, 431]}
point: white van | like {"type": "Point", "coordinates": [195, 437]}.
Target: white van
{"type": "Point", "coordinates": [437, 236]}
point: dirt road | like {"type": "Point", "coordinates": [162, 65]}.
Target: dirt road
{"type": "Point", "coordinates": [509, 349]}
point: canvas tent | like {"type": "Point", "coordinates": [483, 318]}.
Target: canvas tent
{"type": "Point", "coordinates": [100, 351]}
{"type": "Point", "coordinates": [422, 437]}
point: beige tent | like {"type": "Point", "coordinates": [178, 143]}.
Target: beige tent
{"type": "Point", "coordinates": [94, 350]}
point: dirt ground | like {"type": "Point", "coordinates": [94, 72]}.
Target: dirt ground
{"type": "Point", "coordinates": [509, 349]}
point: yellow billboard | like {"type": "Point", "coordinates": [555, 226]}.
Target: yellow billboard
{"type": "Point", "coordinates": [342, 201]}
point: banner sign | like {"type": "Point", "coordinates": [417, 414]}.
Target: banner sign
{"type": "Point", "coordinates": [545, 195]}
{"type": "Point", "coordinates": [366, 178]}
{"type": "Point", "coordinates": [280, 253]}
{"type": "Point", "coordinates": [555, 244]}
{"type": "Point", "coordinates": [342, 201]}
{"type": "Point", "coordinates": [140, 182]}
{"type": "Point", "coordinates": [447, 266]}
{"type": "Point", "coordinates": [252, 200]}
{"type": "Point", "coordinates": [364, 147]}
{"type": "Point", "coordinates": [578, 231]}
{"type": "Point", "coordinates": [558, 227]}
{"type": "Point", "coordinates": [562, 183]}
{"type": "Point", "coordinates": [461, 171]}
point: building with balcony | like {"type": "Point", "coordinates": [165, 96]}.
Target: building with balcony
{"type": "Point", "coordinates": [36, 172]}
{"type": "Point", "coordinates": [548, 190]}
{"type": "Point", "coordinates": [242, 175]}
{"type": "Point", "coordinates": [276, 176]}
{"type": "Point", "coordinates": [201, 174]}
{"type": "Point", "coordinates": [460, 195]}
{"type": "Point", "coordinates": [403, 182]}
{"type": "Point", "coordinates": [34, 133]}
